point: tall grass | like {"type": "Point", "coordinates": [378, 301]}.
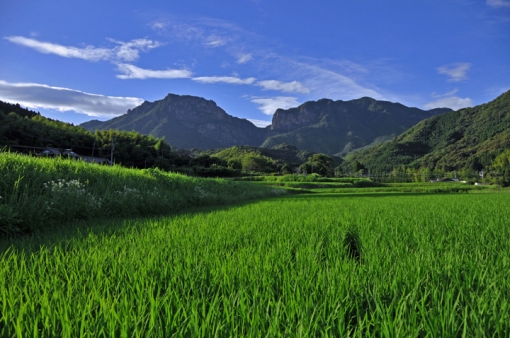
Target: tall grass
{"type": "Point", "coordinates": [415, 265]}
{"type": "Point", "coordinates": [38, 192]}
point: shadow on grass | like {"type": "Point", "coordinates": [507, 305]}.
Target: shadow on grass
{"type": "Point", "coordinates": [61, 235]}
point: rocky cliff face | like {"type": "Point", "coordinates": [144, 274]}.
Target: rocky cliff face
{"type": "Point", "coordinates": [186, 122]}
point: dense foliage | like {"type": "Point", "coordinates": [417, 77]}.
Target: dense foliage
{"type": "Point", "coordinates": [468, 139]}
{"type": "Point", "coordinates": [23, 130]}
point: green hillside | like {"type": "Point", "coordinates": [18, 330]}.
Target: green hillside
{"type": "Point", "coordinates": [469, 138]}
{"type": "Point", "coordinates": [338, 127]}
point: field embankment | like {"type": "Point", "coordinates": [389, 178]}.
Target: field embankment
{"type": "Point", "coordinates": [38, 192]}
{"type": "Point", "coordinates": [349, 185]}
{"type": "Point", "coordinates": [375, 265]}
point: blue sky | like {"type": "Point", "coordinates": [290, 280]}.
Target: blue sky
{"type": "Point", "coordinates": [79, 60]}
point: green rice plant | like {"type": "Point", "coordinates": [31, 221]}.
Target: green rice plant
{"type": "Point", "coordinates": [430, 265]}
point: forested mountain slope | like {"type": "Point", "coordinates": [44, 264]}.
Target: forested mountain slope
{"type": "Point", "coordinates": [337, 127]}
{"type": "Point", "coordinates": [469, 138]}
{"type": "Point", "coordinates": [185, 122]}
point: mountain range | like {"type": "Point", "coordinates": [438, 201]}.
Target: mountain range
{"type": "Point", "coordinates": [323, 126]}
{"type": "Point", "coordinates": [470, 138]}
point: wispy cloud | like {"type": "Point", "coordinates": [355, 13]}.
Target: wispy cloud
{"type": "Point", "coordinates": [269, 105]}
{"type": "Point", "coordinates": [159, 25]}
{"type": "Point", "coordinates": [260, 123]}
{"type": "Point", "coordinates": [288, 87]}
{"type": "Point", "coordinates": [244, 58]}
{"type": "Point", "coordinates": [498, 3]}
{"type": "Point", "coordinates": [134, 72]}
{"type": "Point", "coordinates": [224, 79]}
{"type": "Point", "coordinates": [34, 95]}
{"type": "Point", "coordinates": [130, 51]}
{"type": "Point", "coordinates": [215, 41]}
{"type": "Point", "coordinates": [453, 102]}
{"type": "Point", "coordinates": [450, 93]}
{"type": "Point", "coordinates": [325, 82]}
{"type": "Point", "coordinates": [456, 72]}
{"type": "Point", "coordinates": [125, 51]}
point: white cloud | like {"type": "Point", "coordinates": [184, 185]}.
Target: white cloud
{"type": "Point", "coordinates": [323, 82]}
{"type": "Point", "coordinates": [450, 93]}
{"type": "Point", "coordinates": [456, 72]}
{"type": "Point", "coordinates": [269, 105]}
{"type": "Point", "coordinates": [215, 41]}
{"type": "Point", "coordinates": [453, 102]}
{"type": "Point", "coordinates": [134, 72]}
{"type": "Point", "coordinates": [224, 79]}
{"type": "Point", "coordinates": [34, 95]}
{"type": "Point", "coordinates": [125, 51]}
{"type": "Point", "coordinates": [88, 53]}
{"type": "Point", "coordinates": [498, 3]}
{"type": "Point", "coordinates": [287, 87]}
{"type": "Point", "coordinates": [159, 25]}
{"type": "Point", "coordinates": [130, 51]}
{"type": "Point", "coordinates": [244, 58]}
{"type": "Point", "coordinates": [260, 123]}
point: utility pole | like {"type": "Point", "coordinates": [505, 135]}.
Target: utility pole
{"type": "Point", "coordinates": [111, 155]}
{"type": "Point", "coordinates": [93, 147]}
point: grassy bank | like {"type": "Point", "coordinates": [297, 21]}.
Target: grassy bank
{"type": "Point", "coordinates": [40, 192]}
{"type": "Point", "coordinates": [364, 185]}
{"type": "Point", "coordinates": [375, 265]}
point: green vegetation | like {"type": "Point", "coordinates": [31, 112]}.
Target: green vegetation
{"type": "Point", "coordinates": [339, 127]}
{"type": "Point", "coordinates": [363, 265]}
{"type": "Point", "coordinates": [39, 192]}
{"type": "Point", "coordinates": [468, 139]}
{"type": "Point", "coordinates": [24, 131]}
{"type": "Point", "coordinates": [99, 251]}
{"type": "Point", "coordinates": [350, 185]}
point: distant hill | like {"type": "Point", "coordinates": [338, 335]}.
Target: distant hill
{"type": "Point", "coordinates": [281, 153]}
{"type": "Point", "coordinates": [185, 122]}
{"type": "Point", "coordinates": [338, 127]}
{"type": "Point", "coordinates": [469, 138]}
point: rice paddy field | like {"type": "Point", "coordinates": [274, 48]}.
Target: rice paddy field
{"type": "Point", "coordinates": [310, 265]}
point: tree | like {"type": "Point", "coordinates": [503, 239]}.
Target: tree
{"type": "Point", "coordinates": [356, 166]}
{"type": "Point", "coordinates": [321, 164]}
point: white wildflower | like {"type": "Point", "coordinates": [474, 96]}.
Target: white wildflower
{"type": "Point", "coordinates": [201, 192]}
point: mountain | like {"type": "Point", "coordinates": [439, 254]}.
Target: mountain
{"type": "Point", "coordinates": [338, 127]}
{"type": "Point", "coordinates": [324, 126]}
{"type": "Point", "coordinates": [469, 138]}
{"type": "Point", "coordinates": [185, 122]}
